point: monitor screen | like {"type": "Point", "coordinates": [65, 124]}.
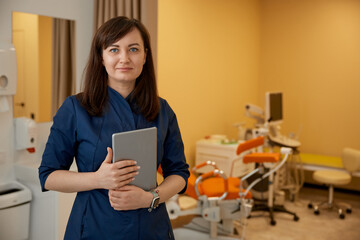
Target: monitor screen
{"type": "Point", "coordinates": [273, 110]}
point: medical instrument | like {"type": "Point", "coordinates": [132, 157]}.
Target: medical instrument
{"type": "Point", "coordinates": [272, 158]}
{"type": "Point", "coordinates": [217, 214]}
{"type": "Point", "coordinates": [255, 112]}
{"type": "Point", "coordinates": [291, 177]}
{"type": "Point", "coordinates": [273, 119]}
{"type": "Point", "coordinates": [220, 210]}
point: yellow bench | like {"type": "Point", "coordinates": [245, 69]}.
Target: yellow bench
{"type": "Point", "coordinates": [321, 160]}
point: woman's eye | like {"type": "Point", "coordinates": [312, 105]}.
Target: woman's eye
{"type": "Point", "coordinates": [134, 49]}
{"type": "Point", "coordinates": [114, 50]}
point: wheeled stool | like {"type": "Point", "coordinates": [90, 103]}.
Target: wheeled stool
{"type": "Point", "coordinates": [351, 160]}
{"type": "Point", "coordinates": [331, 178]}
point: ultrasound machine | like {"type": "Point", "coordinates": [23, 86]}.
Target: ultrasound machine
{"type": "Point", "coordinates": [273, 119]}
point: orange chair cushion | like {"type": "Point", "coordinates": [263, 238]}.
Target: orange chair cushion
{"type": "Point", "coordinates": [215, 187]}
{"type": "Point", "coordinates": [261, 157]}
{"type": "Point", "coordinates": [190, 190]}
{"type": "Point", "coordinates": [252, 143]}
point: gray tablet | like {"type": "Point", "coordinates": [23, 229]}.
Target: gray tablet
{"type": "Point", "coordinates": [138, 145]}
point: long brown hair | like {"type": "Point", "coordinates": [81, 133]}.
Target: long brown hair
{"type": "Point", "coordinates": [94, 97]}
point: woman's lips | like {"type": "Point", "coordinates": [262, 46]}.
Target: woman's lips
{"type": "Point", "coordinates": [124, 69]}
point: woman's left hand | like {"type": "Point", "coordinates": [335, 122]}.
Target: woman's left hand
{"type": "Point", "coordinates": [129, 197]}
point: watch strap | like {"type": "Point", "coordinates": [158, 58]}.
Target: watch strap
{"type": "Point", "coordinates": [155, 200]}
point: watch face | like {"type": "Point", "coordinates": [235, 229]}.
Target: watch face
{"type": "Point", "coordinates": [155, 202]}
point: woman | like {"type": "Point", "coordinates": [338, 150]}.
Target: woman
{"type": "Point", "coordinates": [120, 94]}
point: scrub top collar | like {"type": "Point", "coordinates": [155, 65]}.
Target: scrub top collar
{"type": "Point", "coordinates": [128, 103]}
{"type": "Point", "coordinates": [129, 99]}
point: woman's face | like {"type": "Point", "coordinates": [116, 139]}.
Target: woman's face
{"type": "Point", "coordinates": [124, 59]}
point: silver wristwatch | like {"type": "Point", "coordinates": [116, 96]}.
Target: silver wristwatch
{"type": "Point", "coordinates": [155, 201]}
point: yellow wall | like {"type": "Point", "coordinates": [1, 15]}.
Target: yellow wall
{"type": "Point", "coordinates": [45, 68]}
{"type": "Point", "coordinates": [216, 56]}
{"type": "Point", "coordinates": [310, 50]}
{"type": "Point", "coordinates": [208, 64]}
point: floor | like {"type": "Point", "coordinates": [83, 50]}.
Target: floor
{"type": "Point", "coordinates": [325, 226]}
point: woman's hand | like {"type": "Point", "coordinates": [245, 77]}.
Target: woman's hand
{"type": "Point", "coordinates": [129, 198]}
{"type": "Point", "coordinates": [116, 175]}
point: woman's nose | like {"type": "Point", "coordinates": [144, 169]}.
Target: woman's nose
{"type": "Point", "coordinates": [124, 56]}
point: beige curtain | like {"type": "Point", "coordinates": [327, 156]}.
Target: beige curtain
{"type": "Point", "coordinates": [63, 62]}
{"type": "Point", "coordinates": [106, 9]}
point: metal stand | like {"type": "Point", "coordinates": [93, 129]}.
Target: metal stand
{"type": "Point", "coordinates": [330, 204]}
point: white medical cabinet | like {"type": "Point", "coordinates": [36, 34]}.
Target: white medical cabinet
{"type": "Point", "coordinates": [223, 154]}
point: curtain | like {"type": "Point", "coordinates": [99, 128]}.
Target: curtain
{"type": "Point", "coordinates": [106, 9]}
{"type": "Point", "coordinates": [64, 74]}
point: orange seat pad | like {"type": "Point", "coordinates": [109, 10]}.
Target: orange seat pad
{"type": "Point", "coordinates": [215, 187]}
{"type": "Point", "coordinates": [190, 190]}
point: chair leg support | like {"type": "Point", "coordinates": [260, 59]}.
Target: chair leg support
{"type": "Point", "coordinates": [272, 210]}
{"type": "Point", "coordinates": [331, 204]}
{"type": "Point", "coordinates": [331, 196]}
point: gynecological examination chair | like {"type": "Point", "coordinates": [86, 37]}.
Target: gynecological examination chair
{"type": "Point", "coordinates": [221, 205]}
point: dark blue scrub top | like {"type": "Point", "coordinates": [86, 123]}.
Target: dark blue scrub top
{"type": "Point", "coordinates": [77, 134]}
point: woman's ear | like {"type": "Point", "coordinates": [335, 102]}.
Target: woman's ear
{"type": "Point", "coordinates": [145, 56]}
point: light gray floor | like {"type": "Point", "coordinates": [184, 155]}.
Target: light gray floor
{"type": "Point", "coordinates": [326, 226]}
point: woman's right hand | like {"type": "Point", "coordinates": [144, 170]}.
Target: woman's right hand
{"type": "Point", "coordinates": [116, 175]}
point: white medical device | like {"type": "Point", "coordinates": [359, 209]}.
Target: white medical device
{"type": "Point", "coordinates": [14, 197]}
{"type": "Point", "coordinates": [273, 119]}
{"type": "Point", "coordinates": [255, 112]}
{"type": "Point", "coordinates": [218, 215]}
{"type": "Point", "coordinates": [273, 108]}
{"type": "Point", "coordinates": [25, 134]}
{"type": "Point", "coordinates": [7, 70]}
